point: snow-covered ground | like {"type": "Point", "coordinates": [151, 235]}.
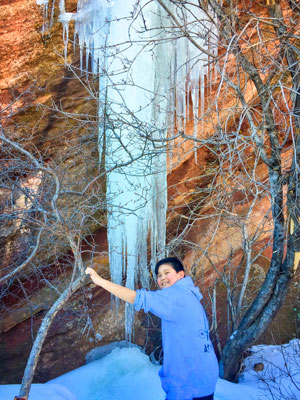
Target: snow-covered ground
{"type": "Point", "coordinates": [128, 374]}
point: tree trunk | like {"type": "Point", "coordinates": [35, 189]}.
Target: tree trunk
{"type": "Point", "coordinates": [41, 336]}
{"type": "Point", "coordinates": [244, 338]}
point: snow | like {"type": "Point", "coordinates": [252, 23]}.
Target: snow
{"type": "Point", "coordinates": [281, 373]}
{"type": "Point", "coordinates": [38, 392]}
{"type": "Point", "coordinates": [127, 373]}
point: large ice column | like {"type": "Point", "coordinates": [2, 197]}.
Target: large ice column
{"type": "Point", "coordinates": [118, 41]}
{"type": "Point", "coordinates": [136, 120]}
{"type": "Point", "coordinates": [147, 67]}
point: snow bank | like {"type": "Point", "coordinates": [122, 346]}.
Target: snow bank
{"type": "Point", "coordinates": [38, 392]}
{"type": "Point", "coordinates": [279, 374]}
{"type": "Point", "coordinates": [128, 374]}
{"type": "Point", "coordinates": [125, 374]}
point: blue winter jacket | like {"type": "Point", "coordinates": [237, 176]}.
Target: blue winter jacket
{"type": "Point", "coordinates": [190, 367]}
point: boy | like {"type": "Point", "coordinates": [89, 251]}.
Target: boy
{"type": "Point", "coordinates": [190, 367]}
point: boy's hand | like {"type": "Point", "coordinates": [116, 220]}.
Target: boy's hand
{"type": "Point", "coordinates": [123, 293]}
{"type": "Point", "coordinates": [93, 274]}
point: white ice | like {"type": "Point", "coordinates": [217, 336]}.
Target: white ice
{"type": "Point", "coordinates": [146, 65]}
{"type": "Point", "coordinates": [132, 109]}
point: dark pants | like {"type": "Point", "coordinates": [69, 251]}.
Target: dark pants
{"type": "Point", "coordinates": [210, 397]}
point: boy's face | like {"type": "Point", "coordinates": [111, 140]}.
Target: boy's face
{"type": "Point", "coordinates": [167, 276]}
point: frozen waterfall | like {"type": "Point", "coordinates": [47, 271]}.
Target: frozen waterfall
{"type": "Point", "coordinates": [148, 69]}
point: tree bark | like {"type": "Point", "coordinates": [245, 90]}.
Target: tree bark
{"type": "Point", "coordinates": [242, 339]}
{"type": "Point", "coordinates": [41, 336]}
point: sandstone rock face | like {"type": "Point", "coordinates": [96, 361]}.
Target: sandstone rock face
{"type": "Point", "coordinates": [45, 107]}
{"type": "Point", "coordinates": [53, 114]}
{"type": "Point", "coordinates": [41, 100]}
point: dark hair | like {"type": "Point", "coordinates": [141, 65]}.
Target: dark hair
{"type": "Point", "coordinates": [173, 261]}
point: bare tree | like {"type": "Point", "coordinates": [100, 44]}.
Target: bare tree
{"type": "Point", "coordinates": [47, 214]}
{"type": "Point", "coordinates": [253, 120]}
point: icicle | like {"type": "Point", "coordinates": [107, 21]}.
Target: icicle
{"type": "Point", "coordinates": [202, 97]}
{"type": "Point", "coordinates": [44, 4]}
{"type": "Point", "coordinates": [52, 14]}
{"type": "Point", "coordinates": [65, 18]}
{"type": "Point", "coordinates": [195, 98]}
{"type": "Point", "coordinates": [190, 67]}
{"type": "Point", "coordinates": [142, 251]}
{"type": "Point", "coordinates": [171, 117]}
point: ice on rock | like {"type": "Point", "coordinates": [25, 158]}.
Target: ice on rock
{"type": "Point", "coordinates": [44, 4]}
{"type": "Point", "coordinates": [133, 95]}
{"type": "Point", "coordinates": [121, 373]}
{"type": "Point", "coordinates": [145, 71]}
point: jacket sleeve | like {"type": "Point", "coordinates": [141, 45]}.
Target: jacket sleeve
{"type": "Point", "coordinates": [160, 302]}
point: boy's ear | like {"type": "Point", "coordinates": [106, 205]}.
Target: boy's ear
{"type": "Point", "coordinates": [181, 274]}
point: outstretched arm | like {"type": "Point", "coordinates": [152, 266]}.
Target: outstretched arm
{"type": "Point", "coordinates": [122, 292]}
